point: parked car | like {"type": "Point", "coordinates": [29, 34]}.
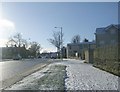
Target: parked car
{"type": "Point", "coordinates": [39, 57]}
{"type": "Point", "coordinates": [17, 57]}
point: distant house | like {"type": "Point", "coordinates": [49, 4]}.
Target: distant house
{"type": "Point", "coordinates": [12, 52]}
{"type": "Point", "coordinates": [78, 50]}
{"type": "Point", "coordinates": [72, 49]}
{"type": "Point", "coordinates": [45, 55]}
{"type": "Point", "coordinates": [106, 36]}
{"type": "Point", "coordinates": [8, 52]}
{"type": "Point", "coordinates": [53, 55]}
{"type": "Point", "coordinates": [64, 52]}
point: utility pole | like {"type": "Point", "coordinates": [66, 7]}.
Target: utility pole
{"type": "Point", "coordinates": [61, 42]}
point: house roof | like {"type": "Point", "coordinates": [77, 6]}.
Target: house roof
{"type": "Point", "coordinates": [112, 25]}
{"type": "Point", "coordinates": [87, 43]}
{"type": "Point", "coordinates": [81, 43]}
{"type": "Point", "coordinates": [73, 44]}
{"type": "Point", "coordinates": [102, 30]}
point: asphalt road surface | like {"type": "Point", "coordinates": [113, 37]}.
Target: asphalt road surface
{"type": "Point", "coordinates": [9, 69]}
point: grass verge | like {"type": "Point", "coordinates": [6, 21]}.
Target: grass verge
{"type": "Point", "coordinates": [54, 79]}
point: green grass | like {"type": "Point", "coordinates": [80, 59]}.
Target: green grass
{"type": "Point", "coordinates": [54, 79]}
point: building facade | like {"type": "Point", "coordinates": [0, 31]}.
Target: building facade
{"type": "Point", "coordinates": [78, 50]}
{"type": "Point", "coordinates": [107, 36]}
{"type": "Point", "coordinates": [13, 52]}
{"type": "Point", "coordinates": [106, 54]}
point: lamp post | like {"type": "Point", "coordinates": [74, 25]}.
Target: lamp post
{"type": "Point", "coordinates": [60, 41]}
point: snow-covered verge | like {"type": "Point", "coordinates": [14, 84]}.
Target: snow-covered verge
{"type": "Point", "coordinates": [82, 76]}
{"type": "Point", "coordinates": [49, 78]}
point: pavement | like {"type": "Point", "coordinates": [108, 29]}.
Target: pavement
{"type": "Point", "coordinates": [82, 76]}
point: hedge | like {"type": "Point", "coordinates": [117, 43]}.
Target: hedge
{"type": "Point", "coordinates": [108, 59]}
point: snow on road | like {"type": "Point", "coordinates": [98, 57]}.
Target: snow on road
{"type": "Point", "coordinates": [82, 76]}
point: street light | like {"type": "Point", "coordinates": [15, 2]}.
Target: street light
{"type": "Point", "coordinates": [60, 41]}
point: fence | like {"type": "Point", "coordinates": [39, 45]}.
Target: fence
{"type": "Point", "coordinates": [108, 58]}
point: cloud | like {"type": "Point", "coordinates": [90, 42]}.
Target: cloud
{"type": "Point", "coordinates": [7, 24]}
{"type": "Point", "coordinates": [7, 28]}
{"type": "Point", "coordinates": [48, 50]}
{"type": "Point", "coordinates": [3, 42]}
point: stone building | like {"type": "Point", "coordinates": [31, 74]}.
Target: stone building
{"type": "Point", "coordinates": [78, 50]}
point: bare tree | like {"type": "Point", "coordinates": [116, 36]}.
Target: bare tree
{"type": "Point", "coordinates": [56, 40]}
{"type": "Point", "coordinates": [16, 40]}
{"type": "Point", "coordinates": [11, 42]}
{"type": "Point", "coordinates": [76, 39]}
{"type": "Point", "coordinates": [35, 48]}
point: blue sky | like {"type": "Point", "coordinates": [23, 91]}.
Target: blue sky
{"type": "Point", "coordinates": [37, 20]}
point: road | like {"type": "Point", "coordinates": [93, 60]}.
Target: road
{"type": "Point", "coordinates": [9, 69]}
